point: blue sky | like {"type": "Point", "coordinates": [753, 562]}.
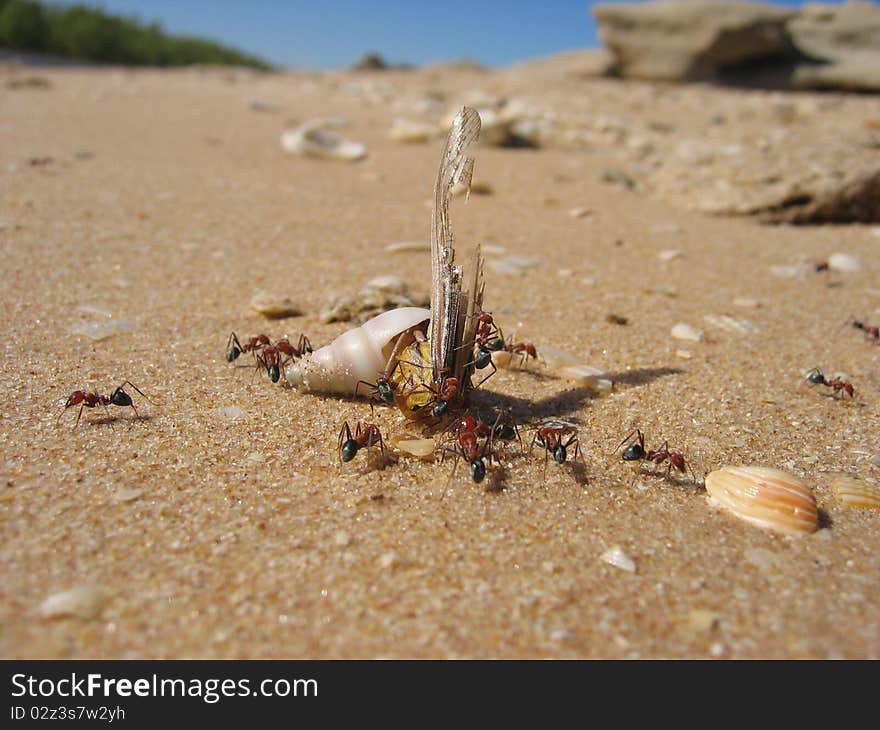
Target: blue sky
{"type": "Point", "coordinates": [335, 33]}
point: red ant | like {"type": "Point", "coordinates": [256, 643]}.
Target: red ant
{"type": "Point", "coordinates": [234, 348]}
{"type": "Point", "coordinates": [448, 390]}
{"type": "Point", "coordinates": [550, 435]}
{"type": "Point", "coordinates": [270, 358]}
{"type": "Point", "coordinates": [303, 346]}
{"type": "Point", "coordinates": [90, 400]}
{"type": "Point", "coordinates": [526, 349]}
{"type": "Point", "coordinates": [468, 431]}
{"type": "Point", "coordinates": [872, 332]}
{"type": "Point", "coordinates": [636, 452]}
{"type": "Point", "coordinates": [817, 377]}
{"type": "Point", "coordinates": [365, 435]}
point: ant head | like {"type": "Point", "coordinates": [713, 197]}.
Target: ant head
{"type": "Point", "coordinates": [560, 454]}
{"type": "Point", "coordinates": [385, 390]}
{"type": "Point", "coordinates": [440, 408]}
{"type": "Point", "coordinates": [274, 373]}
{"type": "Point", "coordinates": [634, 452]}
{"type": "Point", "coordinates": [505, 432]}
{"type": "Point", "coordinates": [478, 470]}
{"type": "Point", "coordinates": [816, 376]}
{"type": "Point", "coordinates": [120, 398]}
{"type": "Point", "coordinates": [232, 353]}
{"type": "Point", "coordinates": [349, 450]}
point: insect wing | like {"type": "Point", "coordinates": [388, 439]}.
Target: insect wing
{"type": "Point", "coordinates": [449, 319]}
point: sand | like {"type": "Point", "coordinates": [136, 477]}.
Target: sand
{"type": "Point", "coordinates": [167, 203]}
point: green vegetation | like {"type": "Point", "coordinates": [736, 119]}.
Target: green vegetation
{"type": "Point", "coordinates": [89, 34]}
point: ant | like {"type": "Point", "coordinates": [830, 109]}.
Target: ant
{"type": "Point", "coordinates": [487, 339]}
{"type": "Point", "coordinates": [365, 435]}
{"type": "Point", "coordinates": [234, 348]}
{"type": "Point", "coordinates": [817, 377]}
{"type": "Point", "coordinates": [872, 332]}
{"type": "Point", "coordinates": [303, 346]}
{"type": "Point", "coordinates": [550, 435]}
{"type": "Point", "coordinates": [468, 431]}
{"type": "Point", "coordinates": [383, 388]}
{"type": "Point", "coordinates": [525, 349]}
{"type": "Point", "coordinates": [636, 452]}
{"type": "Point", "coordinates": [90, 400]}
{"type": "Point", "coordinates": [448, 390]}
{"type": "Point", "coordinates": [269, 358]}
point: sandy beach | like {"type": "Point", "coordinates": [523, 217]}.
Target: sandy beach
{"type": "Point", "coordinates": [147, 208]}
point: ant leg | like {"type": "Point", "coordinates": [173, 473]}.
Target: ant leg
{"type": "Point", "coordinates": [494, 370]}
{"type": "Point", "coordinates": [628, 438]}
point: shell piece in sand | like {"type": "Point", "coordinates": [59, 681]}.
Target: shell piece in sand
{"type": "Point", "coordinates": [314, 139]}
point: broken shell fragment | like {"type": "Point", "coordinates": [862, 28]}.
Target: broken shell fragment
{"type": "Point", "coordinates": [766, 497]}
{"type": "Point", "coordinates": [313, 139]}
{"type": "Point", "coordinates": [853, 492]}
{"type": "Point", "coordinates": [358, 354]}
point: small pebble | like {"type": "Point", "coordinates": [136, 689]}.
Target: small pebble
{"type": "Point", "coordinates": [761, 558]}
{"type": "Point", "coordinates": [342, 539]}
{"type": "Point", "coordinates": [580, 212]}
{"type": "Point", "coordinates": [700, 620]}
{"type": "Point", "coordinates": [619, 559]}
{"type": "Point", "coordinates": [682, 331]}
{"type": "Point", "coordinates": [845, 262]}
{"type": "Point", "coordinates": [127, 495]}
{"type": "Point", "coordinates": [405, 246]}
{"type": "Point", "coordinates": [514, 264]}
{"type": "Point", "coordinates": [389, 561]}
{"type": "Point", "coordinates": [670, 254]}
{"type": "Point", "coordinates": [274, 306]}
{"type": "Point", "coordinates": [231, 413]}
{"type": "Point", "coordinates": [684, 354]}
{"type": "Point", "coordinates": [86, 602]}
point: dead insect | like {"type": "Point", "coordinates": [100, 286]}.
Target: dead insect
{"type": "Point", "coordinates": [85, 399]}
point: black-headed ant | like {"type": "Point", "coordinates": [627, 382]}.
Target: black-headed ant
{"type": "Point", "coordinates": [488, 339]}
{"type": "Point", "coordinates": [234, 348]}
{"type": "Point", "coordinates": [817, 377]}
{"type": "Point", "coordinates": [366, 435]}
{"type": "Point", "coordinates": [872, 332]}
{"type": "Point", "coordinates": [550, 435]}
{"type": "Point", "coordinates": [636, 451]}
{"type": "Point", "coordinates": [85, 399]}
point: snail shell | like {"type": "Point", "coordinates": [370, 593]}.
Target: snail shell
{"type": "Point", "coordinates": [358, 354]}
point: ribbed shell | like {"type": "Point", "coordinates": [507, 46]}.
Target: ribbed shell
{"type": "Point", "coordinates": [853, 492]}
{"type": "Point", "coordinates": [358, 354]}
{"type": "Point", "coordinates": [766, 497]}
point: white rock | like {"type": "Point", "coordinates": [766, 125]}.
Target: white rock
{"type": "Point", "coordinates": [619, 559]}
{"type": "Point", "coordinates": [682, 331]}
{"type": "Point", "coordinates": [86, 601]}
{"type": "Point", "coordinates": [845, 262]}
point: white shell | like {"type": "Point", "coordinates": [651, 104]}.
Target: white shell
{"type": "Point", "coordinates": [845, 262]}
{"type": "Point", "coordinates": [358, 354]}
{"type": "Point", "coordinates": [313, 139]}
